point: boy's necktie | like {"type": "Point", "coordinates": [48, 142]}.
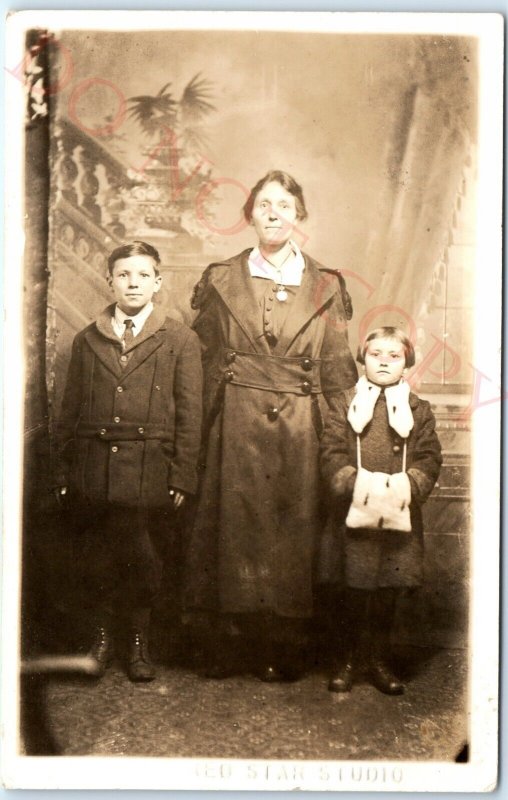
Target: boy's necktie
{"type": "Point", "coordinates": [128, 335]}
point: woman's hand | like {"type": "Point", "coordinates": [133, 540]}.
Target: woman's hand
{"type": "Point", "coordinates": [177, 497]}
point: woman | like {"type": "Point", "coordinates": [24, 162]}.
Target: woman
{"type": "Point", "coordinates": [272, 325]}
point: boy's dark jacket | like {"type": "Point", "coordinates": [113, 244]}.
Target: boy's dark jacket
{"type": "Point", "coordinates": [130, 423]}
{"type": "Point", "coordinates": [338, 452]}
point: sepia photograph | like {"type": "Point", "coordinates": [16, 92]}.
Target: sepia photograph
{"type": "Point", "coordinates": [253, 397]}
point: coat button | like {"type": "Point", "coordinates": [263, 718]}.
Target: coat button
{"type": "Point", "coordinates": [229, 375]}
{"type": "Point", "coordinates": [396, 448]}
{"type": "Point", "coordinates": [102, 431]}
{"type": "Point", "coordinates": [306, 387]}
{"type": "Point", "coordinates": [273, 413]}
{"type": "Point", "coordinates": [306, 364]}
{"type": "Point", "coordinates": [230, 357]}
{"type": "Point", "coordinates": [141, 430]}
{"type": "Point", "coordinates": [119, 388]}
{"type": "Point", "coordinates": [114, 449]}
{"type": "Point", "coordinates": [123, 358]}
{"type": "Point", "coordinates": [116, 419]}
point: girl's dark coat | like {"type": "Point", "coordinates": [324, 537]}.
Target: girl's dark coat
{"type": "Point", "coordinates": [130, 423]}
{"type": "Point", "coordinates": [253, 542]}
{"type": "Point", "coordinates": [371, 559]}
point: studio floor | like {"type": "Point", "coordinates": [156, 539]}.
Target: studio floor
{"type": "Point", "coordinates": [182, 714]}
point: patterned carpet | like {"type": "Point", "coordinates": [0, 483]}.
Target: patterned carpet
{"type": "Point", "coordinates": [182, 714]}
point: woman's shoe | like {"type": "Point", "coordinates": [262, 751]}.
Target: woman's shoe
{"type": "Point", "coordinates": [384, 680]}
{"type": "Point", "coordinates": [221, 660]}
{"type": "Point", "coordinates": [342, 679]}
{"type": "Point", "coordinates": [270, 673]}
{"type": "Point", "coordinates": [219, 669]}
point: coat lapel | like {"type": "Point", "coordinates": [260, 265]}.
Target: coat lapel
{"type": "Point", "coordinates": [315, 291]}
{"type": "Point", "coordinates": [150, 338]}
{"type": "Point", "coordinates": [102, 337]}
{"type": "Point", "coordinates": [234, 285]}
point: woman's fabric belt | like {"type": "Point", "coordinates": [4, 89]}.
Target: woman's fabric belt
{"type": "Point", "coordinates": [273, 373]}
{"type": "Point", "coordinates": [122, 431]}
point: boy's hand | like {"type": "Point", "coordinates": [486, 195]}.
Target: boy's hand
{"type": "Point", "coordinates": [177, 497]}
{"type": "Point", "coordinates": [60, 493]}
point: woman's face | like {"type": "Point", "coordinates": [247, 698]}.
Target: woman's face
{"type": "Point", "coordinates": [274, 214]}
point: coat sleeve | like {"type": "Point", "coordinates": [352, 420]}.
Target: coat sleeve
{"type": "Point", "coordinates": [338, 369]}
{"type": "Point", "coordinates": [206, 322]}
{"type": "Point", "coordinates": [426, 459]}
{"type": "Point", "coordinates": [336, 461]}
{"type": "Point", "coordinates": [188, 412]}
{"type": "Point", "coordinates": [64, 432]}
{"type": "Point", "coordinates": [207, 327]}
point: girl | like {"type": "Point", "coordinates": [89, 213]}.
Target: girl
{"type": "Point", "coordinates": [272, 325]}
{"type": "Point", "coordinates": [380, 456]}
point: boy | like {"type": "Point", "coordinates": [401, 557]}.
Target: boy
{"type": "Point", "coordinates": [127, 445]}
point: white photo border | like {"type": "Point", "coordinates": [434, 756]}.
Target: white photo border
{"type": "Point", "coordinates": [191, 774]}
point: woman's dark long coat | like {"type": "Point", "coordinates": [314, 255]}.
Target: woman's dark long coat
{"type": "Point", "coordinates": [368, 559]}
{"type": "Point", "coordinates": [253, 543]}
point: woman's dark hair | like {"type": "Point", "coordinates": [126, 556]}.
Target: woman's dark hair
{"type": "Point", "coordinates": [388, 332]}
{"type": "Point", "coordinates": [287, 182]}
{"type": "Point", "coordinates": [136, 248]}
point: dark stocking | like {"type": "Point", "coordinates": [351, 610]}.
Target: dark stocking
{"type": "Point", "coordinates": [382, 612]}
{"type": "Point", "coordinates": [351, 616]}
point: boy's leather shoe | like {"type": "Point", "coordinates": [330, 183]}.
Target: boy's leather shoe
{"type": "Point", "coordinates": [384, 680]}
{"type": "Point", "coordinates": [101, 650]}
{"type": "Point", "coordinates": [139, 666]}
{"type": "Point", "coordinates": [342, 678]}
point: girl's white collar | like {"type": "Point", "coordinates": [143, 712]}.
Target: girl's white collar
{"type": "Point", "coordinates": [361, 409]}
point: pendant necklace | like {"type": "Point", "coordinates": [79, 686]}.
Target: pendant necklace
{"type": "Point", "coordinates": [281, 293]}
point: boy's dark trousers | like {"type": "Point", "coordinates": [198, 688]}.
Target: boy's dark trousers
{"type": "Point", "coordinates": [120, 553]}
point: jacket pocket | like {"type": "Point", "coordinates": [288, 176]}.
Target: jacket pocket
{"type": "Point", "coordinates": [155, 472]}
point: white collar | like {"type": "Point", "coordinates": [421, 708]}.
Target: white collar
{"type": "Point", "coordinates": [290, 273]}
{"type": "Point", "coordinates": [361, 409]}
{"type": "Point", "coordinates": [138, 320]}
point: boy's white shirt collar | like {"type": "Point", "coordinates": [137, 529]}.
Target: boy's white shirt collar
{"type": "Point", "coordinates": [290, 274]}
{"type": "Point", "coordinates": [138, 320]}
{"type": "Point", "coordinates": [361, 409]}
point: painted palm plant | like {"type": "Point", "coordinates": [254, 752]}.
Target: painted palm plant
{"type": "Point", "coordinates": [177, 167]}
{"type": "Point", "coordinates": [162, 117]}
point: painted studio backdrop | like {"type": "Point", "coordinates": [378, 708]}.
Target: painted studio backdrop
{"type": "Point", "coordinates": [160, 136]}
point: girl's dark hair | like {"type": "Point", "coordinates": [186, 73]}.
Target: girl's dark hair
{"type": "Point", "coordinates": [388, 332]}
{"type": "Point", "coordinates": [287, 182]}
{"type": "Point", "coordinates": [136, 248]}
